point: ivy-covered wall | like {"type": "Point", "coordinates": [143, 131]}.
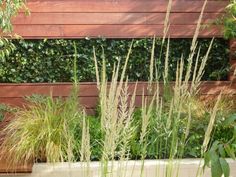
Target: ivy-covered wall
{"type": "Point", "coordinates": [52, 60]}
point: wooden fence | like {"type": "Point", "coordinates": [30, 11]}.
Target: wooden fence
{"type": "Point", "coordinates": [116, 18]}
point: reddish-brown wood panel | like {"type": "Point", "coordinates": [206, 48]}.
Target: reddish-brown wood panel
{"type": "Point", "coordinates": [111, 31]}
{"type": "Point", "coordinates": [14, 94]}
{"type": "Point", "coordinates": [4, 168]}
{"type": "Point", "coordinates": [86, 102]}
{"type": "Point", "coordinates": [123, 6]}
{"type": "Point", "coordinates": [113, 18]}
{"type": "Point", "coordinates": [89, 89]}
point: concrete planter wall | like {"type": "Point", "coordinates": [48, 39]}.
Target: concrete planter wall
{"type": "Point", "coordinates": [152, 168]}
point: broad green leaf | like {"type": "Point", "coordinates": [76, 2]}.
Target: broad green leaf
{"type": "Point", "coordinates": [216, 170]}
{"type": "Point", "coordinates": [225, 167]}
{"type": "Point", "coordinates": [213, 156]}
{"type": "Point", "coordinates": [222, 150]}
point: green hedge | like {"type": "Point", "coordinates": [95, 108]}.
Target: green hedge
{"type": "Point", "coordinates": [52, 60]}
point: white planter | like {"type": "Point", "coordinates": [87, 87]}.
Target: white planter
{"type": "Point", "coordinates": [152, 168]}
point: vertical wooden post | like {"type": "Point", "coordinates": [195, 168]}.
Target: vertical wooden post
{"type": "Point", "coordinates": [232, 74]}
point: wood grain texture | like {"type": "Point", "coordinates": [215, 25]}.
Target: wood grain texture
{"type": "Point", "coordinates": [117, 6]}
{"type": "Point", "coordinates": [4, 168]}
{"type": "Point", "coordinates": [112, 18]}
{"type": "Point", "coordinates": [89, 89]}
{"type": "Point", "coordinates": [116, 19]}
{"type": "Point", "coordinates": [111, 31]}
{"type": "Point", "coordinates": [13, 94]}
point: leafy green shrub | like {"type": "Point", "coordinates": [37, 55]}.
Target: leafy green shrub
{"type": "Point", "coordinates": [52, 60]}
{"type": "Point", "coordinates": [229, 20]}
{"type": "Point", "coordinates": [221, 148]}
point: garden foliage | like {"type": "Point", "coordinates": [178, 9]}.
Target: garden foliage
{"type": "Point", "coordinates": [229, 20]}
{"type": "Point", "coordinates": [52, 60]}
{"type": "Point", "coordinates": [174, 124]}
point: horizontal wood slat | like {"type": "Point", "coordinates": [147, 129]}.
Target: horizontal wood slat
{"type": "Point", "coordinates": [113, 18]}
{"type": "Point", "coordinates": [17, 169]}
{"type": "Point", "coordinates": [116, 18]}
{"type": "Point", "coordinates": [111, 31]}
{"type": "Point", "coordinates": [86, 102]}
{"type": "Point", "coordinates": [92, 6]}
{"type": "Point", "coordinates": [89, 89]}
{"type": "Point", "coordinates": [14, 94]}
